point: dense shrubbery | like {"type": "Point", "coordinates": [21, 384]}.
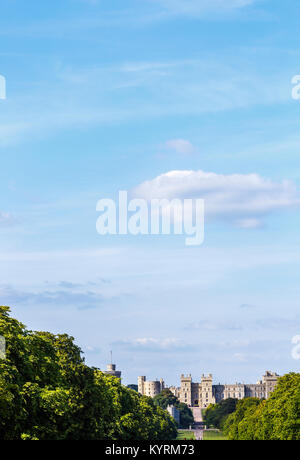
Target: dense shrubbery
{"type": "Point", "coordinates": [216, 414]}
{"type": "Point", "coordinates": [277, 418]}
{"type": "Point", "coordinates": [234, 422]}
{"type": "Point", "coordinates": [47, 392]}
{"type": "Point", "coordinates": [166, 398]}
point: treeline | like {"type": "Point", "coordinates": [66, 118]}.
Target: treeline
{"type": "Point", "coordinates": [277, 418]}
{"type": "Point", "coordinates": [216, 414]}
{"type": "Point", "coordinates": [166, 398]}
{"type": "Point", "coordinates": [47, 392]}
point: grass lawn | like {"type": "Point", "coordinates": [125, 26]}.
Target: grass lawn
{"type": "Point", "coordinates": [182, 435]}
{"type": "Point", "coordinates": [214, 436]}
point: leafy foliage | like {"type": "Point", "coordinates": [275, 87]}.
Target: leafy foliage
{"type": "Point", "coordinates": [166, 398]}
{"type": "Point", "coordinates": [277, 418]}
{"type": "Point", "coordinates": [216, 414]}
{"type": "Point", "coordinates": [231, 426]}
{"type": "Point", "coordinates": [48, 393]}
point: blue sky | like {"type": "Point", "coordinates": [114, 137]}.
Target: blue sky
{"type": "Point", "coordinates": [103, 96]}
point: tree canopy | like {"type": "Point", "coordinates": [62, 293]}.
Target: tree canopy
{"type": "Point", "coordinates": [277, 418]}
{"type": "Point", "coordinates": [47, 392]}
{"type": "Point", "coordinates": [166, 398]}
{"type": "Point", "coordinates": [216, 414]}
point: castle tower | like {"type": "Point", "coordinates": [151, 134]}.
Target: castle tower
{"type": "Point", "coordinates": [111, 369]}
{"type": "Point", "coordinates": [150, 388]}
{"type": "Point", "coordinates": [270, 381]}
{"type": "Point", "coordinates": [141, 384]}
{"type": "Point", "coordinates": [207, 396]}
{"type": "Point", "coordinates": [186, 389]}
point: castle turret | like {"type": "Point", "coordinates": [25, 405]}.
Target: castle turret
{"type": "Point", "coordinates": [111, 369]}
{"type": "Point", "coordinates": [270, 381]}
{"type": "Point", "coordinates": [150, 388]}
{"type": "Point", "coordinates": [186, 389]}
{"type": "Point", "coordinates": [207, 396]}
{"type": "Point", "coordinates": [141, 382]}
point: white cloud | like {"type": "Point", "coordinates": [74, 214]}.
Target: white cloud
{"type": "Point", "coordinates": [244, 199]}
{"type": "Point", "coordinates": [181, 146]}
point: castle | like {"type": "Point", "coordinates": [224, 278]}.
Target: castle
{"type": "Point", "coordinates": [203, 394]}
{"type": "Point", "coordinates": [111, 369]}
{"type": "Point", "coordinates": [150, 388]}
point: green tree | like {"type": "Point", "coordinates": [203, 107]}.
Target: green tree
{"type": "Point", "coordinates": [47, 392]}
{"type": "Point", "coordinates": [216, 414]}
{"type": "Point", "coordinates": [233, 422]}
{"type": "Point", "coordinates": [166, 398]}
{"type": "Point", "coordinates": [277, 418]}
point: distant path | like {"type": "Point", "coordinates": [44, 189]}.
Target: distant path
{"type": "Point", "coordinates": [197, 413]}
{"type": "Point", "coordinates": [198, 426]}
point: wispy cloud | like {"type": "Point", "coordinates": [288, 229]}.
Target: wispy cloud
{"type": "Point", "coordinates": [149, 344]}
{"type": "Point", "coordinates": [246, 306]}
{"type": "Point", "coordinates": [181, 146]}
{"type": "Point", "coordinates": [230, 351]}
{"type": "Point", "coordinates": [201, 7]}
{"type": "Point", "coordinates": [7, 219]}
{"type": "Point", "coordinates": [240, 324]}
{"type": "Point", "coordinates": [125, 14]}
{"type": "Point", "coordinates": [96, 96]}
{"type": "Point", "coordinates": [80, 299]}
{"type": "Point", "coordinates": [206, 325]}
